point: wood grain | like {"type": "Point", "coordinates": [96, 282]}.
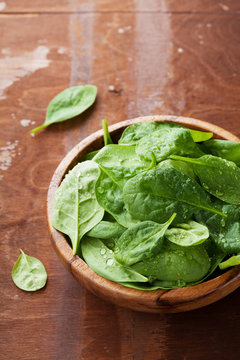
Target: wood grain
{"type": "Point", "coordinates": [63, 321]}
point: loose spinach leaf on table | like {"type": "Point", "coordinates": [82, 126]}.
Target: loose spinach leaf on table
{"type": "Point", "coordinates": [156, 194]}
{"type": "Point", "coordinates": [76, 210]}
{"type": "Point", "coordinates": [176, 263]}
{"type": "Point", "coordinates": [141, 241]}
{"type": "Point", "coordinates": [68, 104]}
{"type": "Point", "coordinates": [29, 273]}
{"type": "Point", "coordinates": [190, 234]}
{"type": "Point", "coordinates": [101, 260]}
{"type": "Point", "coordinates": [106, 230]}
{"type": "Point", "coordinates": [168, 141]}
{"type": "Point", "coordinates": [224, 231]}
{"type": "Point", "coordinates": [229, 150]}
{"type": "Point", "coordinates": [218, 176]}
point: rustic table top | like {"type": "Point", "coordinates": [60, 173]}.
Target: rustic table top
{"type": "Point", "coordinates": [160, 57]}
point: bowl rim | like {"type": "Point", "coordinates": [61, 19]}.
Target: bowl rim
{"type": "Point", "coordinates": [156, 301]}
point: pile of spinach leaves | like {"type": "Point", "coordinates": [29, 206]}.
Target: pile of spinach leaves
{"type": "Point", "coordinates": [158, 210]}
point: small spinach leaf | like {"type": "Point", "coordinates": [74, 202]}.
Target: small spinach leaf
{"type": "Point", "coordinates": [69, 103]}
{"type": "Point", "coordinates": [140, 242]}
{"type": "Point", "coordinates": [232, 261]}
{"type": "Point", "coordinates": [101, 260]}
{"type": "Point", "coordinates": [199, 136]}
{"type": "Point", "coordinates": [178, 165]}
{"type": "Point", "coordinates": [176, 263]}
{"type": "Point", "coordinates": [29, 273]}
{"type": "Point", "coordinates": [167, 141]}
{"type": "Point", "coordinates": [188, 234]}
{"type": "Point", "coordinates": [229, 150]}
{"type": "Point", "coordinates": [106, 230]}
{"type": "Point", "coordinates": [76, 210]}
{"type": "Point", "coordinates": [218, 176]}
{"type": "Point", "coordinates": [156, 194]}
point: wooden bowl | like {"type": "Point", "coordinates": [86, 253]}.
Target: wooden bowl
{"type": "Point", "coordinates": [157, 301]}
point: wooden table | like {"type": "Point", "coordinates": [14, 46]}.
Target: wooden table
{"type": "Point", "coordinates": [160, 57]}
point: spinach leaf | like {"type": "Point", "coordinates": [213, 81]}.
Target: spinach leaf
{"type": "Point", "coordinates": [157, 284]}
{"type": "Point", "coordinates": [232, 261]}
{"type": "Point", "coordinates": [218, 176]}
{"type": "Point", "coordinates": [229, 150]}
{"type": "Point", "coordinates": [140, 242]}
{"type": "Point", "coordinates": [167, 141]}
{"type": "Point", "coordinates": [156, 194]}
{"type": "Point", "coordinates": [76, 210]}
{"type": "Point", "coordinates": [106, 230]}
{"type": "Point", "coordinates": [106, 135]}
{"type": "Point", "coordinates": [224, 231]}
{"type": "Point", "coordinates": [110, 197]}
{"type": "Point", "coordinates": [101, 260]}
{"type": "Point", "coordinates": [188, 234]}
{"type": "Point", "coordinates": [199, 136]}
{"type": "Point", "coordinates": [90, 155]}
{"type": "Point", "coordinates": [69, 103]}
{"type": "Point", "coordinates": [178, 165]}
{"type": "Point", "coordinates": [134, 133]}
{"type": "Point", "coordinates": [29, 273]}
{"type": "Point", "coordinates": [176, 263]}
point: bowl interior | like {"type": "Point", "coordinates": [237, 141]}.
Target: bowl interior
{"type": "Point", "coordinates": [159, 301]}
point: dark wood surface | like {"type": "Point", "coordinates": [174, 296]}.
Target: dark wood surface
{"type": "Point", "coordinates": [176, 57]}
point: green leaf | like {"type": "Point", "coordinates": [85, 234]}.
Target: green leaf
{"type": "Point", "coordinates": [218, 176]}
{"type": "Point", "coordinates": [106, 230]}
{"type": "Point", "coordinates": [229, 150]}
{"type": "Point", "coordinates": [68, 104]}
{"type": "Point", "coordinates": [76, 210]}
{"type": "Point", "coordinates": [224, 231]}
{"type": "Point", "coordinates": [140, 242]}
{"type": "Point", "coordinates": [156, 194]}
{"type": "Point", "coordinates": [178, 165]}
{"type": "Point", "coordinates": [29, 273]}
{"type": "Point", "coordinates": [176, 263]}
{"type": "Point", "coordinates": [199, 136]}
{"type": "Point", "coordinates": [167, 141]}
{"type": "Point", "coordinates": [106, 135]}
{"type": "Point", "coordinates": [232, 261]}
{"type": "Point", "coordinates": [101, 260]}
{"type": "Point", "coordinates": [134, 133]}
{"type": "Point", "coordinates": [188, 234]}
{"type": "Point", "coordinates": [110, 197]}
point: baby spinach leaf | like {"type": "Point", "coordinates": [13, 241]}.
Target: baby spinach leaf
{"type": "Point", "coordinates": [90, 155]}
{"type": "Point", "coordinates": [188, 234]}
{"type": "Point", "coordinates": [156, 194]}
{"type": "Point", "coordinates": [140, 242]}
{"type": "Point", "coordinates": [76, 210]}
{"type": "Point", "coordinates": [199, 136]}
{"type": "Point", "coordinates": [29, 273]}
{"type": "Point", "coordinates": [218, 176]}
{"type": "Point", "coordinates": [157, 284]}
{"type": "Point", "coordinates": [224, 231]}
{"type": "Point", "coordinates": [232, 261]}
{"type": "Point", "coordinates": [120, 155]}
{"type": "Point", "coordinates": [229, 150]}
{"type": "Point", "coordinates": [167, 141]}
{"type": "Point", "coordinates": [110, 197]}
{"type": "Point", "coordinates": [68, 104]}
{"type": "Point", "coordinates": [176, 263]}
{"type": "Point", "coordinates": [101, 260]}
{"type": "Point", "coordinates": [178, 165]}
{"type": "Point", "coordinates": [134, 133]}
{"type": "Point", "coordinates": [106, 230]}
{"type": "Point", "coordinates": [106, 135]}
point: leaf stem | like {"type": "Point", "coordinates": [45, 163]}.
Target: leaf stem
{"type": "Point", "coordinates": [106, 135]}
{"type": "Point", "coordinates": [38, 128]}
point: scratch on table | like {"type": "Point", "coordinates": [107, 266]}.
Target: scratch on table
{"type": "Point", "coordinates": [7, 153]}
